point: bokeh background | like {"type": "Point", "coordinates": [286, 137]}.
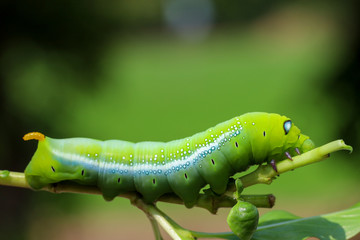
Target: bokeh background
{"type": "Point", "coordinates": [161, 70]}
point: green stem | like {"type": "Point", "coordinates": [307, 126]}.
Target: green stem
{"type": "Point", "coordinates": [155, 227]}
{"type": "Point", "coordinates": [13, 179]}
{"type": "Point", "coordinates": [211, 203]}
{"type": "Point", "coordinates": [265, 173]}
{"type": "Point", "coordinates": [260, 201]}
{"type": "Point", "coordinates": [174, 230]}
{"type": "Point", "coordinates": [170, 226]}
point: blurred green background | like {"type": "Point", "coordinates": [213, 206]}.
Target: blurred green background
{"type": "Point", "coordinates": [163, 70]}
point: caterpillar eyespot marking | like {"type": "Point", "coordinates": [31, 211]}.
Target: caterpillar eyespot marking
{"type": "Point", "coordinates": [156, 168]}
{"type": "Point", "coordinates": [287, 126]}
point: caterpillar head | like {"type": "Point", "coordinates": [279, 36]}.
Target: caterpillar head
{"type": "Point", "coordinates": [286, 137]}
{"type": "Point", "coordinates": [45, 167]}
{"type": "Point", "coordinates": [272, 135]}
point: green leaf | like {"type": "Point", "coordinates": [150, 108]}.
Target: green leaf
{"type": "Point", "coordinates": [275, 217]}
{"type": "Point", "coordinates": [283, 225]}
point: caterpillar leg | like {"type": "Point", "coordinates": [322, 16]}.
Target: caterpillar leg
{"type": "Point", "coordinates": [273, 165]}
{"type": "Point", "coordinates": [287, 154]}
{"type": "Point", "coordinates": [243, 220]}
{"type": "Point", "coordinates": [239, 188]}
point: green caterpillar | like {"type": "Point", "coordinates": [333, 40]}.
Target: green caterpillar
{"type": "Point", "coordinates": [181, 166]}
